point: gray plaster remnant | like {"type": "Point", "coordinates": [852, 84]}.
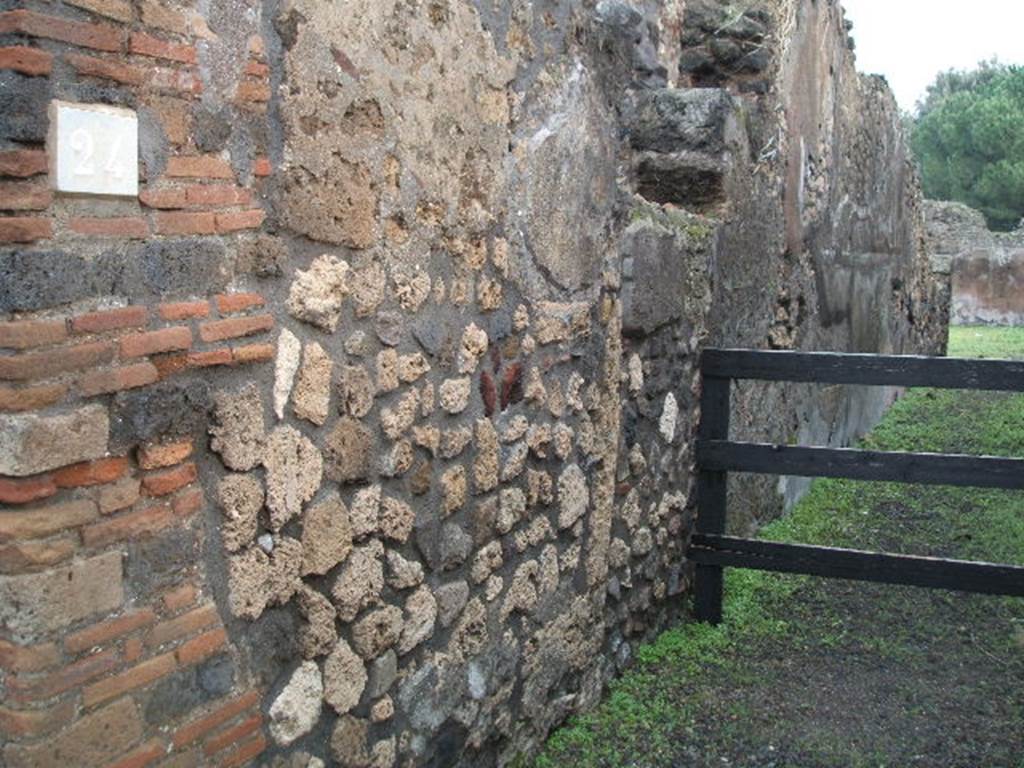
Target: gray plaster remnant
{"type": "Point", "coordinates": [297, 707]}
{"type": "Point", "coordinates": [241, 499]}
{"type": "Point", "coordinates": [317, 293]}
{"type": "Point", "coordinates": [344, 678]}
{"type": "Point", "coordinates": [383, 672]}
{"type": "Point", "coordinates": [360, 582]}
{"type": "Point", "coordinates": [294, 471]}
{"type": "Point", "coordinates": [286, 364]}
{"type": "Point", "coordinates": [349, 451]}
{"type": "Point", "coordinates": [326, 535]}
{"type": "Point", "coordinates": [30, 444]}
{"type": "Point", "coordinates": [451, 599]}
{"type": "Point", "coordinates": [312, 395]}
{"type": "Point", "coordinates": [238, 430]}
{"type": "Point", "coordinates": [573, 496]}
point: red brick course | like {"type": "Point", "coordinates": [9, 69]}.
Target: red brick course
{"type": "Point", "coordinates": [152, 342]}
{"type": "Point", "coordinates": [118, 379]}
{"type": "Point", "coordinates": [24, 196]}
{"type": "Point", "coordinates": [24, 229]}
{"type": "Point", "coordinates": [134, 227]}
{"type": "Point", "coordinates": [28, 61]}
{"type": "Point", "coordinates": [110, 320]}
{"type": "Point", "coordinates": [219, 330]}
{"type": "Point", "coordinates": [42, 365]}
{"type": "Point", "coordinates": [103, 37]}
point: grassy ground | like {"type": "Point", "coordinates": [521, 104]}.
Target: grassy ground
{"type": "Point", "coordinates": [811, 672]}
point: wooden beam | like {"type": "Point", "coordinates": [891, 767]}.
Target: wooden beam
{"type": "Point", "coordinates": [711, 496]}
{"type": "Point", "coordinates": [924, 468]}
{"type": "Point", "coordinates": [884, 370]}
{"type": "Point", "coordinates": [960, 575]}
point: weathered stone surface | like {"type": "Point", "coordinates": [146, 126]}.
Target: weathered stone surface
{"type": "Point", "coordinates": [241, 499]}
{"type": "Point", "coordinates": [412, 367]}
{"type": "Point", "coordinates": [317, 293]}
{"type": "Point", "coordinates": [312, 395]}
{"type": "Point", "coordinates": [573, 496]}
{"type": "Point", "coordinates": [360, 581]}
{"type": "Point", "coordinates": [365, 512]}
{"type": "Point", "coordinates": [511, 509]}
{"type": "Point", "coordinates": [485, 562]}
{"type": "Point", "coordinates": [349, 744]}
{"type": "Point", "coordinates": [453, 394]}
{"type": "Point", "coordinates": [453, 489]}
{"type": "Point", "coordinates": [454, 441]}
{"type": "Point", "coordinates": [396, 519]}
{"type": "Point", "coordinates": [485, 468]}
{"type": "Point", "coordinates": [31, 604]}
{"type": "Point", "coordinates": [368, 284]}
{"type": "Point", "coordinates": [383, 672]}
{"type": "Point", "coordinates": [30, 443]}
{"type": "Point", "coordinates": [248, 574]}
{"type": "Point", "coordinates": [349, 451]}
{"type": "Point", "coordinates": [420, 615]}
{"type": "Point", "coordinates": [285, 365]}
{"type": "Point", "coordinates": [669, 418]}
{"type": "Point", "coordinates": [451, 599]}
{"type": "Point", "coordinates": [344, 678]}
{"type": "Point", "coordinates": [377, 631]}
{"type": "Point", "coordinates": [294, 471]}
{"type": "Point", "coordinates": [238, 430]}
{"type": "Point", "coordinates": [297, 707]}
{"type": "Point", "coordinates": [387, 370]}
{"type": "Point", "coordinates": [398, 460]}
{"type": "Point", "coordinates": [402, 573]}
{"type": "Point", "coordinates": [396, 421]}
{"type": "Point", "coordinates": [96, 739]}
{"type": "Point", "coordinates": [382, 710]}
{"type": "Point", "coordinates": [326, 535]}
{"type": "Point", "coordinates": [318, 635]}
{"type": "Point", "coordinates": [673, 120]}
{"type": "Point", "coordinates": [357, 391]}
{"type": "Point", "coordinates": [473, 346]}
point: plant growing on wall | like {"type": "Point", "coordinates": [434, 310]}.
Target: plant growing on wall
{"type": "Point", "coordinates": [968, 136]}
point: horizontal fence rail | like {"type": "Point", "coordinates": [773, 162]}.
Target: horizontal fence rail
{"type": "Point", "coordinates": [881, 370]}
{"type": "Point", "coordinates": [923, 468]}
{"type": "Point", "coordinates": [712, 550]}
{"type": "Point", "coordinates": [912, 570]}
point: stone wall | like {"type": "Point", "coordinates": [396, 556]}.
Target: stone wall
{"type": "Point", "coordinates": [363, 436]}
{"type": "Point", "coordinates": [987, 268]}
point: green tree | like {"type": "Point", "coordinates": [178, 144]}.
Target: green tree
{"type": "Point", "coordinates": [968, 137]}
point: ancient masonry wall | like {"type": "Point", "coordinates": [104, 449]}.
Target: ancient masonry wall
{"type": "Point", "coordinates": [363, 435]}
{"type": "Point", "coordinates": [987, 268]}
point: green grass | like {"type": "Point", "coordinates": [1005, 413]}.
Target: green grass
{"type": "Point", "coordinates": [705, 696]}
{"type": "Point", "coordinates": [985, 341]}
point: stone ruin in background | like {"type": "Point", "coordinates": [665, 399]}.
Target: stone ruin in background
{"type": "Point", "coordinates": [986, 268]}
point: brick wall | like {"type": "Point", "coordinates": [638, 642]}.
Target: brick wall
{"type": "Point", "coordinates": [90, 648]}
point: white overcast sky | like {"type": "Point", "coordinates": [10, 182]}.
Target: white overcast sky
{"type": "Point", "coordinates": [911, 41]}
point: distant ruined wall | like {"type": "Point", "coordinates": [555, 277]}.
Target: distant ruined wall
{"type": "Point", "coordinates": [987, 268]}
{"type": "Point", "coordinates": [364, 435]}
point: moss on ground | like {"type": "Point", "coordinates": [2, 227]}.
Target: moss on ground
{"type": "Point", "coordinates": [812, 672]}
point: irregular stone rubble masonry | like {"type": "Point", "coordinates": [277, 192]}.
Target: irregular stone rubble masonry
{"type": "Point", "coordinates": [363, 436]}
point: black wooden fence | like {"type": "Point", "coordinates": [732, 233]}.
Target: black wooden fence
{"type": "Point", "coordinates": [712, 550]}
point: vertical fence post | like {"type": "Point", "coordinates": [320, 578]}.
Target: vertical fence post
{"type": "Point", "coordinates": [711, 496]}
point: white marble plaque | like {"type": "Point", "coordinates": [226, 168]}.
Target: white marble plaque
{"type": "Point", "coordinates": [93, 149]}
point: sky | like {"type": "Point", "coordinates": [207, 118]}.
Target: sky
{"type": "Point", "coordinates": [911, 41]}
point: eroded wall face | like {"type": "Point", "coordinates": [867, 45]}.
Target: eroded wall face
{"type": "Point", "coordinates": [364, 436]}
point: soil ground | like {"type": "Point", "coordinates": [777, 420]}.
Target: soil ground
{"type": "Point", "coordinates": [809, 673]}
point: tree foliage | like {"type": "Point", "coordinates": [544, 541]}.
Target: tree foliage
{"type": "Point", "coordinates": [968, 136]}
